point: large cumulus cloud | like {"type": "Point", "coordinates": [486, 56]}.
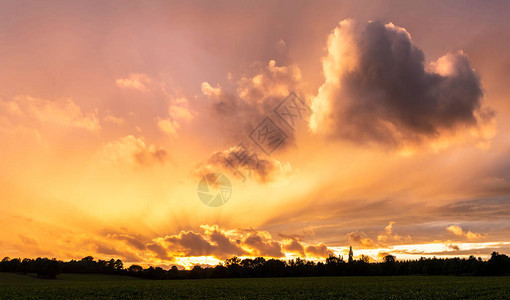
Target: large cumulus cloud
{"type": "Point", "coordinates": [378, 90]}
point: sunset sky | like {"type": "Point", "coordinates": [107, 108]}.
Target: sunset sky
{"type": "Point", "coordinates": [112, 111]}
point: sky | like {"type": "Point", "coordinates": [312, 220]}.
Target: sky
{"type": "Point", "coordinates": [381, 125]}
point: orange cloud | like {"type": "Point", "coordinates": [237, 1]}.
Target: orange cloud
{"type": "Point", "coordinates": [221, 244]}
{"type": "Point", "coordinates": [383, 239]}
{"type": "Point", "coordinates": [33, 112]}
{"type": "Point", "coordinates": [255, 96]}
{"type": "Point", "coordinates": [458, 231]}
{"type": "Point", "coordinates": [137, 81]}
{"type": "Point", "coordinates": [243, 163]}
{"type": "Point", "coordinates": [134, 151]}
{"type": "Point", "coordinates": [359, 238]}
{"type": "Point", "coordinates": [318, 251]}
{"type": "Point", "coordinates": [389, 237]}
{"type": "Point", "coordinates": [210, 91]}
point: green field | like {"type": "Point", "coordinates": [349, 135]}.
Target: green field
{"type": "Point", "coordinates": [402, 287]}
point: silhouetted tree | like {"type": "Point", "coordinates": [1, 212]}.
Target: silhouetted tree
{"type": "Point", "coordinates": [498, 264]}
{"type": "Point", "coordinates": [135, 269]}
{"type": "Point", "coordinates": [46, 268]}
{"type": "Point", "coordinates": [390, 266]}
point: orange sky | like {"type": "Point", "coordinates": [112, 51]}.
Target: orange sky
{"type": "Point", "coordinates": [110, 113]}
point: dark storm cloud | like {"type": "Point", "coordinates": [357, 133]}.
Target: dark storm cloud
{"type": "Point", "coordinates": [377, 89]}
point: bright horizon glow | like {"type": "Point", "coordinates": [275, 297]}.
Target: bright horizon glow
{"type": "Point", "coordinates": [111, 114]}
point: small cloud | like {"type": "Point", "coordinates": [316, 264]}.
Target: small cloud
{"type": "Point", "coordinates": [458, 231]}
{"type": "Point", "coordinates": [382, 254]}
{"type": "Point", "coordinates": [159, 251]}
{"type": "Point", "coordinates": [179, 110]}
{"type": "Point", "coordinates": [169, 127]}
{"type": "Point", "coordinates": [115, 120]}
{"type": "Point", "coordinates": [134, 150]}
{"type": "Point", "coordinates": [27, 110]}
{"type": "Point", "coordinates": [255, 96]}
{"type": "Point", "coordinates": [178, 113]}
{"type": "Point", "coordinates": [453, 247]}
{"type": "Point", "coordinates": [294, 246]}
{"type": "Point", "coordinates": [243, 162]}
{"type": "Point", "coordinates": [383, 239]}
{"type": "Point", "coordinates": [210, 91]}
{"type": "Point", "coordinates": [137, 81]}
{"type": "Point", "coordinates": [261, 244]}
{"type": "Point", "coordinates": [318, 251]}
{"type": "Point", "coordinates": [389, 237]}
{"type": "Point", "coordinates": [130, 240]}
{"type": "Point", "coordinates": [359, 238]}
{"type": "Point", "coordinates": [28, 240]}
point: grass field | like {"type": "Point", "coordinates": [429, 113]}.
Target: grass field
{"type": "Point", "coordinates": [403, 287]}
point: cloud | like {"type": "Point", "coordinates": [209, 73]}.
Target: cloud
{"type": "Point", "coordinates": [261, 244]}
{"type": "Point", "coordinates": [319, 251]}
{"type": "Point", "coordinates": [179, 112]}
{"type": "Point", "coordinates": [378, 91]}
{"type": "Point", "coordinates": [31, 112]}
{"type": "Point", "coordinates": [137, 81]}
{"type": "Point", "coordinates": [169, 127]}
{"type": "Point", "coordinates": [272, 80]}
{"type": "Point", "coordinates": [389, 237]}
{"type": "Point", "coordinates": [134, 150]}
{"type": "Point", "coordinates": [360, 238]}
{"type": "Point", "coordinates": [28, 240]}
{"type": "Point", "coordinates": [130, 240]}
{"type": "Point", "coordinates": [159, 93]}
{"type": "Point", "coordinates": [238, 112]}
{"type": "Point", "coordinates": [383, 239]}
{"type": "Point", "coordinates": [222, 243]}
{"type": "Point", "coordinates": [382, 254]}
{"type": "Point", "coordinates": [243, 163]}
{"type": "Point", "coordinates": [210, 91]}
{"type": "Point", "coordinates": [458, 231]}
{"type": "Point", "coordinates": [453, 247]}
{"type": "Point", "coordinates": [160, 251]}
{"type": "Point", "coordinates": [115, 120]}
{"type": "Point", "coordinates": [125, 255]}
{"type": "Point", "coordinates": [294, 246]}
{"type": "Point", "coordinates": [212, 242]}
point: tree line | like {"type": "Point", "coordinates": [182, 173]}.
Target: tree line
{"type": "Point", "coordinates": [498, 264]}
